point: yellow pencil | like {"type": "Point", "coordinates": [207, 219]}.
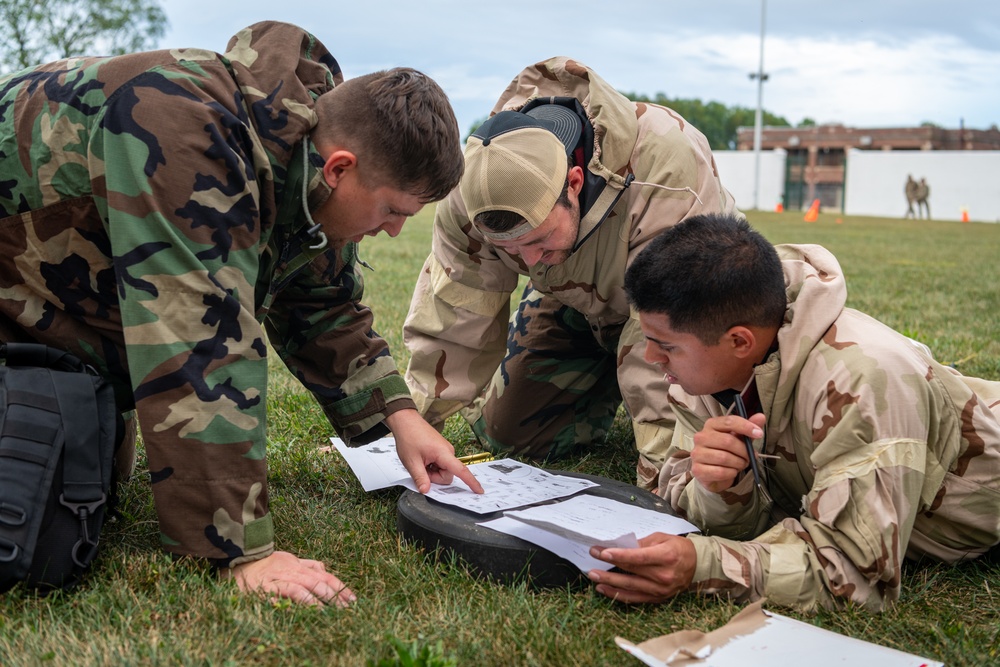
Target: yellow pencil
{"type": "Point", "coordinates": [482, 457]}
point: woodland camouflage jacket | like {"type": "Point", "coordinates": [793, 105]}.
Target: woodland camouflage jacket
{"type": "Point", "coordinates": [456, 329]}
{"type": "Point", "coordinates": [152, 223]}
{"type": "Point", "coordinates": [882, 453]}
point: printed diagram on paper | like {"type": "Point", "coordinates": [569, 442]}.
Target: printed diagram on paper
{"type": "Point", "coordinates": [507, 483]}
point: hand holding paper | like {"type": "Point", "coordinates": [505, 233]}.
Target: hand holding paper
{"type": "Point", "coordinates": [659, 569]}
{"type": "Point", "coordinates": [570, 528]}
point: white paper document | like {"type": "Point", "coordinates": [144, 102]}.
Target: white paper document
{"type": "Point", "coordinates": [570, 527]}
{"type": "Point", "coordinates": [507, 483]}
{"type": "Point", "coordinates": [376, 465]}
{"type": "Point", "coordinates": [759, 637]}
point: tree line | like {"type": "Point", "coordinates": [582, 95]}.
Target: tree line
{"type": "Point", "coordinates": [37, 31]}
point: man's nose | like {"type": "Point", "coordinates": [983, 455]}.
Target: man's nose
{"type": "Point", "coordinates": [393, 228]}
{"type": "Point", "coordinates": [655, 355]}
{"type": "Point", "coordinates": [530, 255]}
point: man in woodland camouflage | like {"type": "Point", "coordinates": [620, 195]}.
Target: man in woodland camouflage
{"type": "Point", "coordinates": [162, 210]}
{"type": "Point", "coordinates": [565, 183]}
{"type": "Point", "coordinates": [876, 451]}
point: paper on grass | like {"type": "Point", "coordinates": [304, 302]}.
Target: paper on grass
{"type": "Point", "coordinates": [507, 483]}
{"type": "Point", "coordinates": [376, 465]}
{"type": "Point", "coordinates": [570, 527]}
{"type": "Point", "coordinates": [758, 637]}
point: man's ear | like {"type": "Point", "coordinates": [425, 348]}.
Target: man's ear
{"type": "Point", "coordinates": [741, 340]}
{"type": "Point", "coordinates": [339, 163]}
{"type": "Point", "coordinates": [575, 177]}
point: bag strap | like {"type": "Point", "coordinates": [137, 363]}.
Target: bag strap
{"type": "Point", "coordinates": [83, 483]}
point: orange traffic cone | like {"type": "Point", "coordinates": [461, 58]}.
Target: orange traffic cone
{"type": "Point", "coordinates": [813, 213]}
{"type": "Point", "coordinates": [780, 208]}
{"type": "Point", "coordinates": [965, 215]}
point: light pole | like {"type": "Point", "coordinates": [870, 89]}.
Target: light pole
{"type": "Point", "coordinates": [761, 77]}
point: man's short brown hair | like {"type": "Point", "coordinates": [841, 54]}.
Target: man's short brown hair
{"type": "Point", "coordinates": [401, 127]}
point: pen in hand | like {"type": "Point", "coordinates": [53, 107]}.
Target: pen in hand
{"type": "Point", "coordinates": [741, 410]}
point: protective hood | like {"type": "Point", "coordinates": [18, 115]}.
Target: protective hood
{"type": "Point", "coordinates": [816, 292]}
{"type": "Point", "coordinates": [281, 107]}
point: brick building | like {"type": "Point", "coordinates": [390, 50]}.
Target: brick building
{"type": "Point", "coordinates": [816, 156]}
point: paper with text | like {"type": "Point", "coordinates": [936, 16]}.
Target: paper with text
{"type": "Point", "coordinates": [570, 527]}
{"type": "Point", "coordinates": [507, 483]}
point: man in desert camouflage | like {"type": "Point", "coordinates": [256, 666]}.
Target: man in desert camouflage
{"type": "Point", "coordinates": [565, 183]}
{"type": "Point", "coordinates": [921, 194]}
{"type": "Point", "coordinates": [910, 190]}
{"type": "Point", "coordinates": [874, 451]}
{"type": "Point", "coordinates": [162, 210]}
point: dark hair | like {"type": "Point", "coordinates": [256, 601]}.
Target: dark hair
{"type": "Point", "coordinates": [707, 274]}
{"type": "Point", "coordinates": [400, 125]}
{"type": "Point", "coordinates": [504, 221]}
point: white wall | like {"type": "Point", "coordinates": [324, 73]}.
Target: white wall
{"type": "Point", "coordinates": [874, 180]}
{"type": "Point", "coordinates": [736, 170]}
{"type": "Point", "coordinates": [957, 179]}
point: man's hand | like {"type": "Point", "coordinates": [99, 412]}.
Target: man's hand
{"type": "Point", "coordinates": [427, 455]}
{"type": "Point", "coordinates": [659, 569]}
{"type": "Point", "coordinates": [284, 575]}
{"type": "Point", "coordinates": [719, 453]}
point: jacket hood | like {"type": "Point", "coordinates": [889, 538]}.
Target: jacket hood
{"type": "Point", "coordinates": [816, 291]}
{"type": "Point", "coordinates": [281, 69]}
{"type": "Point", "coordinates": [610, 130]}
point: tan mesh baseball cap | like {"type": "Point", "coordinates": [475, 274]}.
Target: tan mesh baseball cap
{"type": "Point", "coordinates": [517, 162]}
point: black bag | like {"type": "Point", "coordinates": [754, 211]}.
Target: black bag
{"type": "Point", "coordinates": [58, 431]}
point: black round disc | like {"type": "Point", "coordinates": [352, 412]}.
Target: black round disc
{"type": "Point", "coordinates": [444, 528]}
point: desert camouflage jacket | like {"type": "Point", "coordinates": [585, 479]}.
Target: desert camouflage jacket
{"type": "Point", "coordinates": [153, 224]}
{"type": "Point", "coordinates": [881, 453]}
{"type": "Point", "coordinates": [457, 325]}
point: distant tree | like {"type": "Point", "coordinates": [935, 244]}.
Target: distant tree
{"type": "Point", "coordinates": [806, 122]}
{"type": "Point", "coordinates": [716, 121]}
{"type": "Point", "coordinates": [36, 31]}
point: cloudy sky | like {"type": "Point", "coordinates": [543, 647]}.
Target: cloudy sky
{"type": "Point", "coordinates": [871, 63]}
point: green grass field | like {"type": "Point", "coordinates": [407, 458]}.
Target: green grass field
{"type": "Point", "coordinates": [937, 282]}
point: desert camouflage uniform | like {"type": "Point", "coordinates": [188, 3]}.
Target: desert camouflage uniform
{"type": "Point", "coordinates": [572, 346]}
{"type": "Point", "coordinates": [153, 224]}
{"type": "Point", "coordinates": [882, 453]}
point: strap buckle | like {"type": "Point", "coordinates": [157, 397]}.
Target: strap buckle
{"type": "Point", "coordinates": [84, 512]}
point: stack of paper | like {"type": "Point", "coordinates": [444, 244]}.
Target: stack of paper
{"type": "Point", "coordinates": [567, 528]}
{"type": "Point", "coordinates": [570, 527]}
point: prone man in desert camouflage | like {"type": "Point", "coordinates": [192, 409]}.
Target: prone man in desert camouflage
{"type": "Point", "coordinates": [875, 451]}
{"type": "Point", "coordinates": [162, 210]}
{"type": "Point", "coordinates": [565, 183]}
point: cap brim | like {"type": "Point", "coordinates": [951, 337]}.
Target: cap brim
{"type": "Point", "coordinates": [560, 121]}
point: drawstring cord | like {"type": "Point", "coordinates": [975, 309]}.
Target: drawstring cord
{"type": "Point", "coordinates": [315, 230]}
{"type": "Point", "coordinates": [664, 187]}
